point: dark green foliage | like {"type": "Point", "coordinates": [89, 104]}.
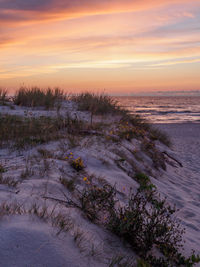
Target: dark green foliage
{"type": "Point", "coordinates": [2, 169]}
{"type": "Point", "coordinates": [143, 225]}
{"type": "Point", "coordinates": [35, 97]}
{"type": "Point", "coordinates": [145, 182]}
{"type": "Point", "coordinates": [95, 200]}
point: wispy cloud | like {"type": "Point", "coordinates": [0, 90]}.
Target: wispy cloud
{"type": "Point", "coordinates": [113, 39]}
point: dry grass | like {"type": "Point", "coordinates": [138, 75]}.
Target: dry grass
{"type": "Point", "coordinates": [8, 181]}
{"type": "Point", "coordinates": [3, 96]}
{"type": "Point", "coordinates": [36, 97]}
{"type": "Point", "coordinates": [69, 184]}
{"type": "Point", "coordinates": [97, 104]}
{"type": "Point", "coordinates": [22, 132]}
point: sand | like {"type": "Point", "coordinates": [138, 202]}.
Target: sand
{"type": "Point", "coordinates": [182, 185]}
{"type": "Point", "coordinates": [25, 241]}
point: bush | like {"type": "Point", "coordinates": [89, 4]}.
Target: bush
{"type": "Point", "coordinates": [144, 226]}
{"type": "Point", "coordinates": [37, 97]}
{"type": "Point", "coordinates": [2, 169]}
{"type": "Point", "coordinates": [95, 201]}
{"type": "Point", "coordinates": [144, 181]}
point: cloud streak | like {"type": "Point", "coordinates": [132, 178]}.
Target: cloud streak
{"type": "Point", "coordinates": [112, 39]}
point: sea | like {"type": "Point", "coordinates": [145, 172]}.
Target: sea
{"type": "Point", "coordinates": [163, 109]}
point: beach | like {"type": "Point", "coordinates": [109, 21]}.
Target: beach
{"type": "Point", "coordinates": [47, 181]}
{"type": "Point", "coordinates": [182, 185]}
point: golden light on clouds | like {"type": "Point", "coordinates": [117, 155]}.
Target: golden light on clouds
{"type": "Point", "coordinates": [120, 46]}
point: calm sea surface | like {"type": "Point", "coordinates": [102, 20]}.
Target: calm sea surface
{"type": "Point", "coordinates": [164, 109]}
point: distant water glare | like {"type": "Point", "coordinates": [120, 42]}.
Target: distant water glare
{"type": "Point", "coordinates": [164, 109]}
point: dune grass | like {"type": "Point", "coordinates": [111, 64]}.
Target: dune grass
{"type": "Point", "coordinates": [98, 104]}
{"type": "Point", "coordinates": [3, 96]}
{"type": "Point", "coordinates": [22, 132]}
{"type": "Point", "coordinates": [36, 97]}
{"type": "Point", "coordinates": [135, 125]}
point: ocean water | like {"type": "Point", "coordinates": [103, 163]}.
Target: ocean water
{"type": "Point", "coordinates": [164, 109]}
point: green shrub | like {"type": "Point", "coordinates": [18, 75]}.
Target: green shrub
{"type": "Point", "coordinates": [2, 169]}
{"type": "Point", "coordinates": [143, 225]}
{"type": "Point", "coordinates": [95, 201]}
{"type": "Point", "coordinates": [144, 181]}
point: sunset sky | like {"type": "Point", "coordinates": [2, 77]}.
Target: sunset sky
{"type": "Point", "coordinates": [121, 46]}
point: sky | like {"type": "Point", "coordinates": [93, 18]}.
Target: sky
{"type": "Point", "coordinates": [118, 46]}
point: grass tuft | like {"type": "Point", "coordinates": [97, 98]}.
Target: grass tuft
{"type": "Point", "coordinates": [3, 96]}
{"type": "Point", "coordinates": [97, 104]}
{"type": "Point", "coordinates": [36, 97]}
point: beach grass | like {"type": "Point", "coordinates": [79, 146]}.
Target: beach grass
{"type": "Point", "coordinates": [3, 96]}
{"type": "Point", "coordinates": [36, 97]}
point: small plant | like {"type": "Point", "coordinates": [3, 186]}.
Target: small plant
{"type": "Point", "coordinates": [142, 263]}
{"type": "Point", "coordinates": [156, 134]}
{"type": "Point", "coordinates": [2, 169]}
{"type": "Point", "coordinates": [45, 153]}
{"type": "Point", "coordinates": [69, 184]}
{"type": "Point", "coordinates": [121, 261]}
{"type": "Point", "coordinates": [96, 201]}
{"type": "Point", "coordinates": [157, 157]}
{"type": "Point", "coordinates": [145, 182]}
{"type": "Point", "coordinates": [144, 228]}
{"type": "Point", "coordinates": [8, 181]}
{"type": "Point", "coordinates": [76, 163]}
{"type": "Point", "coordinates": [27, 172]}
{"type": "Point", "coordinates": [126, 130]}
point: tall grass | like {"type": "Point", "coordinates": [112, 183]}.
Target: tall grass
{"type": "Point", "coordinates": [36, 97]}
{"type": "Point", "coordinates": [3, 96]}
{"type": "Point", "coordinates": [98, 104]}
{"type": "Point", "coordinates": [102, 104]}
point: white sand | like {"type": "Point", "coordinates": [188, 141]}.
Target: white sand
{"type": "Point", "coordinates": [182, 185]}
{"type": "Point", "coordinates": [21, 238]}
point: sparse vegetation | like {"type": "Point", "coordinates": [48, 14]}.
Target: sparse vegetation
{"type": "Point", "coordinates": [97, 104]}
{"type": "Point", "coordinates": [2, 169]}
{"type": "Point", "coordinates": [3, 96]}
{"type": "Point", "coordinates": [69, 184]}
{"type": "Point", "coordinates": [34, 130]}
{"type": "Point", "coordinates": [156, 134]}
{"type": "Point", "coordinates": [95, 200]}
{"type": "Point", "coordinates": [144, 181]}
{"type": "Point", "coordinates": [8, 181]}
{"type": "Point", "coordinates": [142, 225]}
{"type": "Point", "coordinates": [36, 97]}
